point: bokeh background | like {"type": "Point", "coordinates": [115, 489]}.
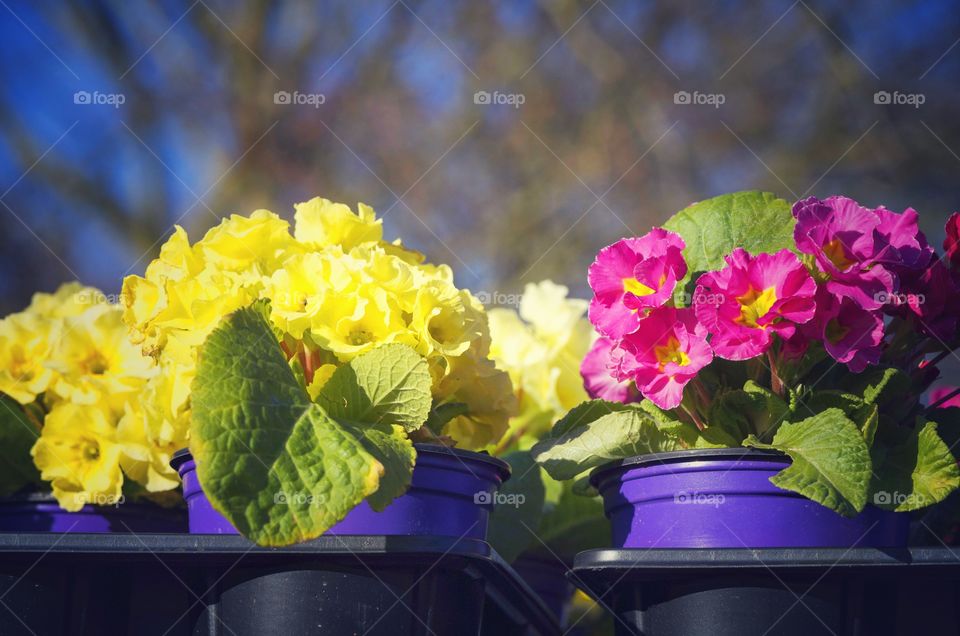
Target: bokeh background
{"type": "Point", "coordinates": [507, 193]}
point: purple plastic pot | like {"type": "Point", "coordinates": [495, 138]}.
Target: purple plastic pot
{"type": "Point", "coordinates": [723, 498]}
{"type": "Point", "coordinates": [39, 512]}
{"type": "Point", "coordinates": [451, 494]}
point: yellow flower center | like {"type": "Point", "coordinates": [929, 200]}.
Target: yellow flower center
{"type": "Point", "coordinates": [836, 332]}
{"type": "Point", "coordinates": [95, 364]}
{"type": "Point", "coordinates": [671, 352]}
{"type": "Point", "coordinates": [91, 451]}
{"type": "Point", "coordinates": [754, 305]}
{"type": "Point", "coordinates": [21, 370]}
{"type": "Point", "coordinates": [837, 254]}
{"type": "Point", "coordinates": [635, 287]}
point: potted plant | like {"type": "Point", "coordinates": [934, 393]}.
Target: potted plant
{"type": "Point", "coordinates": [315, 371]}
{"type": "Point", "coordinates": [79, 453]}
{"type": "Point", "coordinates": [781, 355]}
{"type": "Point", "coordinates": [539, 524]}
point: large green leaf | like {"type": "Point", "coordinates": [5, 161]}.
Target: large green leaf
{"type": "Point", "coordinates": [756, 221]}
{"type": "Point", "coordinates": [916, 471]}
{"type": "Point", "coordinates": [389, 385]}
{"type": "Point", "coordinates": [278, 466]}
{"type": "Point", "coordinates": [17, 436]}
{"type": "Point", "coordinates": [516, 517]}
{"type": "Point", "coordinates": [571, 523]}
{"type": "Point", "coordinates": [831, 462]}
{"type": "Point", "coordinates": [620, 433]}
{"type": "Point", "coordinates": [863, 413]}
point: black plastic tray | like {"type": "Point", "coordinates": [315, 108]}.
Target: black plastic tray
{"type": "Point", "coordinates": [775, 591]}
{"type": "Point", "coordinates": [107, 584]}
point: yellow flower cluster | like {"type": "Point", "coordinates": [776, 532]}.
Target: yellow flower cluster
{"type": "Point", "coordinates": [336, 290]}
{"type": "Point", "coordinates": [68, 359]}
{"type": "Point", "coordinates": [541, 348]}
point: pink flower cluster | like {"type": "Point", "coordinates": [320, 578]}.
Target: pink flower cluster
{"type": "Point", "coordinates": [859, 265]}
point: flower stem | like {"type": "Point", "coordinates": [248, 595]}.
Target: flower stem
{"type": "Point", "coordinates": [776, 384]}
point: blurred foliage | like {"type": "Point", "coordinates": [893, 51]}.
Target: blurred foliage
{"type": "Point", "coordinates": [599, 148]}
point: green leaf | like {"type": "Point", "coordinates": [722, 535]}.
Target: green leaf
{"type": "Point", "coordinates": [274, 463]}
{"type": "Point", "coordinates": [620, 433]}
{"type": "Point", "coordinates": [583, 414]}
{"type": "Point", "coordinates": [917, 472]}
{"type": "Point", "coordinates": [389, 445]}
{"type": "Point", "coordinates": [831, 462]}
{"type": "Point", "coordinates": [17, 436]}
{"type": "Point", "coordinates": [687, 432]}
{"type": "Point", "coordinates": [756, 221]}
{"type": "Point", "coordinates": [512, 527]}
{"type": "Point", "coordinates": [572, 523]}
{"type": "Point", "coordinates": [388, 385]}
{"type": "Point", "coordinates": [753, 409]}
{"type": "Point", "coordinates": [878, 385]}
{"type": "Point", "coordinates": [864, 414]}
{"type": "Point", "coordinates": [441, 414]}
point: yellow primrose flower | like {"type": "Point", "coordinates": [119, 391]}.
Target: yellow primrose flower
{"type": "Point", "coordinates": [177, 260]}
{"type": "Point", "coordinates": [543, 354]}
{"type": "Point", "coordinates": [70, 299]}
{"type": "Point", "coordinates": [258, 242]}
{"type": "Point", "coordinates": [94, 359]}
{"type": "Point", "coordinates": [321, 222]}
{"type": "Point", "coordinates": [488, 394]}
{"type": "Point", "coordinates": [442, 319]}
{"type": "Point", "coordinates": [78, 453]}
{"type": "Point", "coordinates": [146, 456]}
{"type": "Point", "coordinates": [25, 342]}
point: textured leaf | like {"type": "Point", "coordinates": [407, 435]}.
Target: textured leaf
{"type": "Point", "coordinates": [511, 527]}
{"type": "Point", "coordinates": [17, 436]}
{"type": "Point", "coordinates": [388, 385]}
{"type": "Point", "coordinates": [618, 434]}
{"type": "Point", "coordinates": [864, 414]}
{"type": "Point", "coordinates": [389, 445]}
{"type": "Point", "coordinates": [915, 473]}
{"type": "Point", "coordinates": [756, 221]}
{"type": "Point", "coordinates": [831, 463]}
{"type": "Point", "coordinates": [275, 464]}
{"type": "Point", "coordinates": [878, 385]}
{"type": "Point", "coordinates": [690, 436]}
{"type": "Point", "coordinates": [583, 414]}
{"type": "Point", "coordinates": [753, 409]}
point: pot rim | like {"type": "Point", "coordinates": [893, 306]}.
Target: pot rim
{"type": "Point", "coordinates": [686, 455]}
{"type": "Point", "coordinates": [184, 455]}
